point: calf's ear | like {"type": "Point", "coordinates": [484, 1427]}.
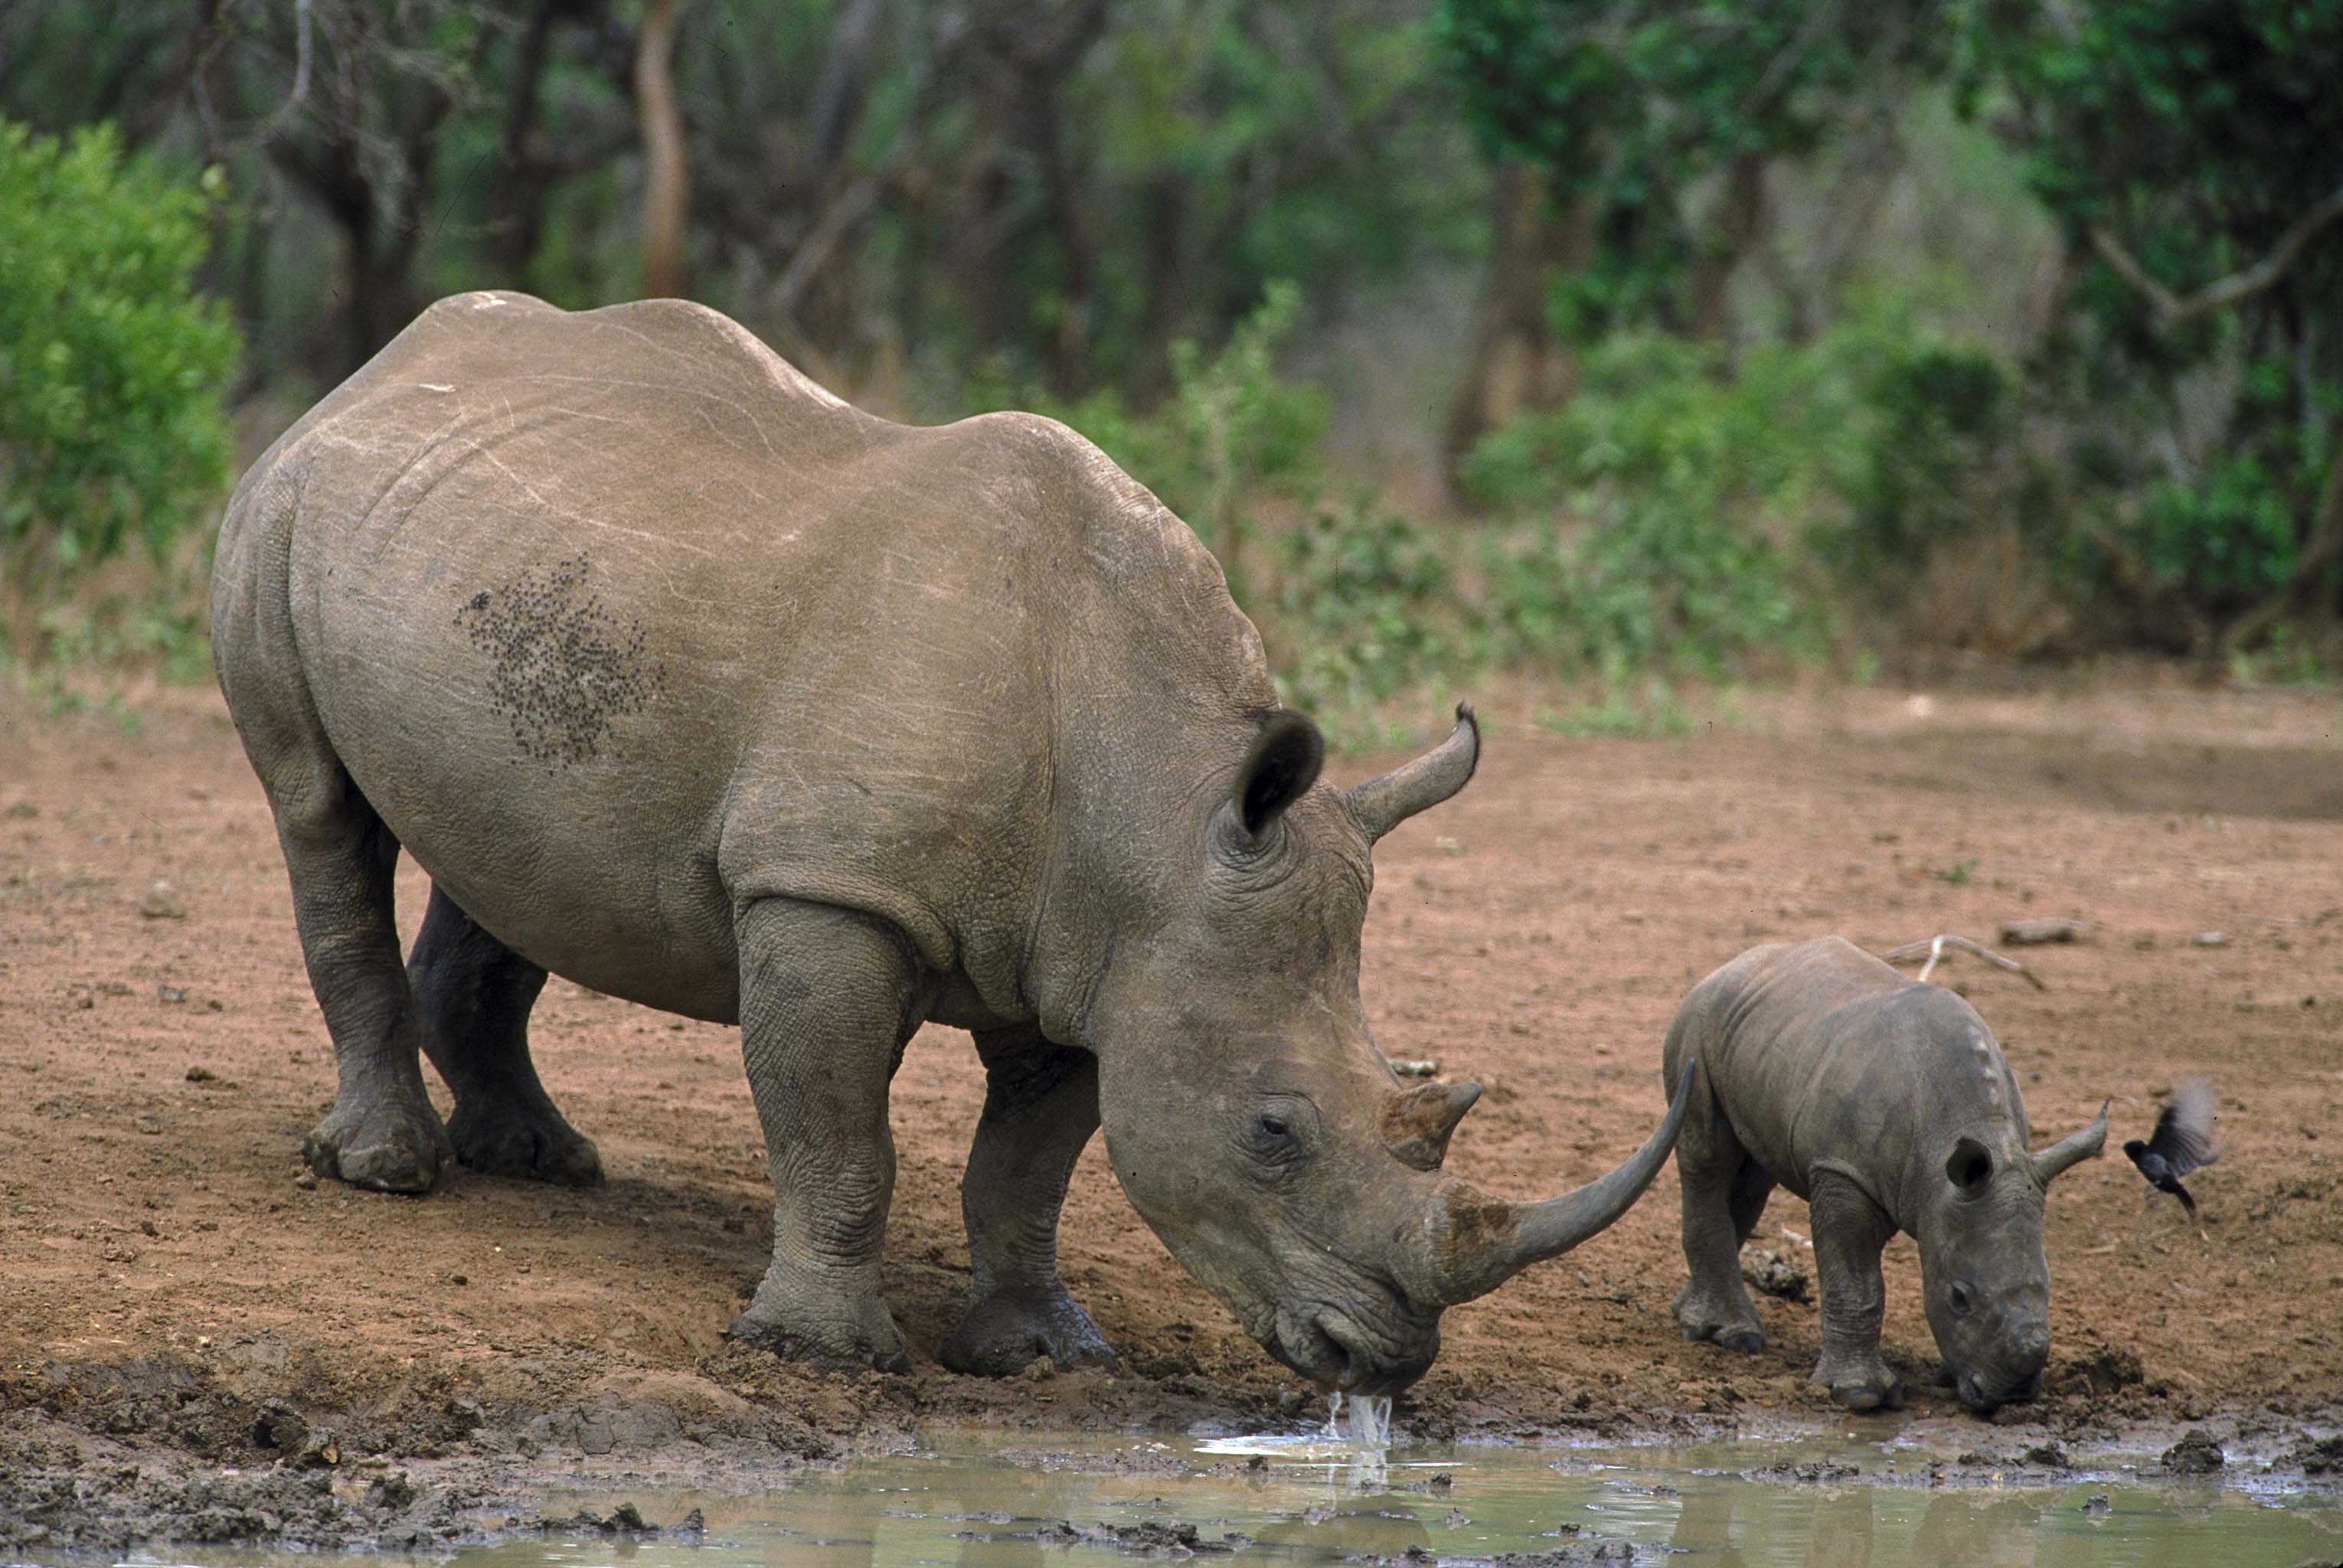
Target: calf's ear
{"type": "Point", "coordinates": [1969, 1167]}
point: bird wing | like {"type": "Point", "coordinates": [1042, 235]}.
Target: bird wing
{"type": "Point", "coordinates": [2184, 1133]}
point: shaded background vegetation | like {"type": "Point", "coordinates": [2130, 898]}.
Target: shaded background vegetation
{"type": "Point", "coordinates": [1619, 344]}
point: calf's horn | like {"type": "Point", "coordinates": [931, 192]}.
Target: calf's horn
{"type": "Point", "coordinates": [1382, 804]}
{"type": "Point", "coordinates": [1478, 1242]}
{"type": "Point", "coordinates": [2073, 1146]}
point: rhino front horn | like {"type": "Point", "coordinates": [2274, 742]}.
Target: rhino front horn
{"type": "Point", "coordinates": [1478, 1242]}
{"type": "Point", "coordinates": [1382, 804]}
{"type": "Point", "coordinates": [2075, 1147]}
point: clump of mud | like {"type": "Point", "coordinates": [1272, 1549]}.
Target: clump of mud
{"type": "Point", "coordinates": [1147, 1539]}
{"type": "Point", "coordinates": [46, 1503]}
{"type": "Point", "coordinates": [247, 1443]}
{"type": "Point", "coordinates": [1569, 1555]}
{"type": "Point", "coordinates": [2318, 1456]}
{"type": "Point", "coordinates": [2198, 1452]}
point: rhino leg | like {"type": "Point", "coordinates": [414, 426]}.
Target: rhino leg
{"type": "Point", "coordinates": [1850, 1231]}
{"type": "Point", "coordinates": [828, 998]}
{"type": "Point", "coordinates": [1725, 1190]}
{"type": "Point", "coordinates": [473, 996]}
{"type": "Point", "coordinates": [382, 1131]}
{"type": "Point", "coordinates": [1040, 1107]}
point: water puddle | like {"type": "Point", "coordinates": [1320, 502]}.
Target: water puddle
{"type": "Point", "coordinates": [1315, 1499]}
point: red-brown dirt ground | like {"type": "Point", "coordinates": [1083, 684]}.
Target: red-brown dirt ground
{"type": "Point", "coordinates": [162, 1274]}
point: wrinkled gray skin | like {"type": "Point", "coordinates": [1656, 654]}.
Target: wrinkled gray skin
{"type": "Point", "coordinates": [1887, 1106]}
{"type": "Point", "coordinates": [693, 684]}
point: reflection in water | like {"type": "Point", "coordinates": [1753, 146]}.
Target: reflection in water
{"type": "Point", "coordinates": [1704, 1525]}
{"type": "Point", "coordinates": [1736, 1524]}
{"type": "Point", "coordinates": [1843, 1528]}
{"type": "Point", "coordinates": [1991, 1530]}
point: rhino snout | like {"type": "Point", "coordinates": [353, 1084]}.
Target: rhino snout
{"type": "Point", "coordinates": [1984, 1395]}
{"type": "Point", "coordinates": [1333, 1351]}
{"type": "Point", "coordinates": [2014, 1375]}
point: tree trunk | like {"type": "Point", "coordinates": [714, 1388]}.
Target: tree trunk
{"type": "Point", "coordinates": [667, 176]}
{"type": "Point", "coordinates": [1517, 363]}
{"type": "Point", "coordinates": [1740, 220]}
{"type": "Point", "coordinates": [1077, 251]}
{"type": "Point", "coordinates": [1148, 377]}
{"type": "Point", "coordinates": [529, 180]}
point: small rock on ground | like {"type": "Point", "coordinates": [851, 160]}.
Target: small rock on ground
{"type": "Point", "coordinates": [162, 902]}
{"type": "Point", "coordinates": [1771, 1274]}
{"type": "Point", "coordinates": [2038, 933]}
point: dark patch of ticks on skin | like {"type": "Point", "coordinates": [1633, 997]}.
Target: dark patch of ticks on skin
{"type": "Point", "coordinates": [561, 668]}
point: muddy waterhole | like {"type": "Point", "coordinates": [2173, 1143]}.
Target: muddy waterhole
{"type": "Point", "coordinates": [1335, 1496]}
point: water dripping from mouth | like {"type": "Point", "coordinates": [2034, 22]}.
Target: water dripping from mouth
{"type": "Point", "coordinates": [1370, 1420]}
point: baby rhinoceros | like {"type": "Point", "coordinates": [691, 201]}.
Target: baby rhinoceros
{"type": "Point", "coordinates": [1886, 1105]}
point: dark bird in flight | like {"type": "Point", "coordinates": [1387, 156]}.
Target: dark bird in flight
{"type": "Point", "coordinates": [2182, 1141]}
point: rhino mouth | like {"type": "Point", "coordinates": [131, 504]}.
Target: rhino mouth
{"type": "Point", "coordinates": [1986, 1396]}
{"type": "Point", "coordinates": [1302, 1344]}
{"type": "Point", "coordinates": [1330, 1351]}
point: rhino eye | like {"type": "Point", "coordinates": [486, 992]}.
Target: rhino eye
{"type": "Point", "coordinates": [1273, 1142]}
{"type": "Point", "coordinates": [1962, 1300]}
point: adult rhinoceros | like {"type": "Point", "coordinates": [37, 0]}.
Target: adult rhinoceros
{"type": "Point", "coordinates": [687, 681]}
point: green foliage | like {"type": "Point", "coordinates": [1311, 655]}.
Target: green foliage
{"type": "Point", "coordinates": [1364, 595]}
{"type": "Point", "coordinates": [1687, 491]}
{"type": "Point", "coordinates": [2184, 141]}
{"type": "Point", "coordinates": [1687, 509]}
{"type": "Point", "coordinates": [1649, 708]}
{"type": "Point", "coordinates": [1936, 421]}
{"type": "Point", "coordinates": [1629, 107]}
{"type": "Point", "coordinates": [1230, 436]}
{"type": "Point", "coordinates": [110, 366]}
{"type": "Point", "coordinates": [1355, 597]}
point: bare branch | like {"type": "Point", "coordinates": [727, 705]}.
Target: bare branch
{"type": "Point", "coordinates": [813, 252]}
{"type": "Point", "coordinates": [2172, 310]}
{"type": "Point", "coordinates": [1933, 946]}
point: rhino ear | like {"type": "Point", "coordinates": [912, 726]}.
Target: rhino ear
{"type": "Point", "coordinates": [1969, 1167]}
{"type": "Point", "coordinates": [1279, 768]}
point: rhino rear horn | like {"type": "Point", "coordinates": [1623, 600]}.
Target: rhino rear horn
{"type": "Point", "coordinates": [1382, 804]}
{"type": "Point", "coordinates": [2073, 1148]}
{"type": "Point", "coordinates": [1418, 1122]}
{"type": "Point", "coordinates": [1480, 1242]}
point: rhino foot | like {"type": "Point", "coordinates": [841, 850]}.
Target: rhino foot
{"type": "Point", "coordinates": [1733, 1326]}
{"type": "Point", "coordinates": [532, 1144]}
{"type": "Point", "coordinates": [1004, 1333]}
{"type": "Point", "coordinates": [1860, 1385]}
{"type": "Point", "coordinates": [827, 1337]}
{"type": "Point", "coordinates": [388, 1145]}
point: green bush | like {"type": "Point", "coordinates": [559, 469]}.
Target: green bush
{"type": "Point", "coordinates": [110, 366]}
{"type": "Point", "coordinates": [1355, 603]}
{"type": "Point", "coordinates": [1230, 434]}
{"type": "Point", "coordinates": [2229, 533]}
{"type": "Point", "coordinates": [1687, 492]}
{"type": "Point", "coordinates": [1362, 602]}
{"type": "Point", "coordinates": [1680, 518]}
